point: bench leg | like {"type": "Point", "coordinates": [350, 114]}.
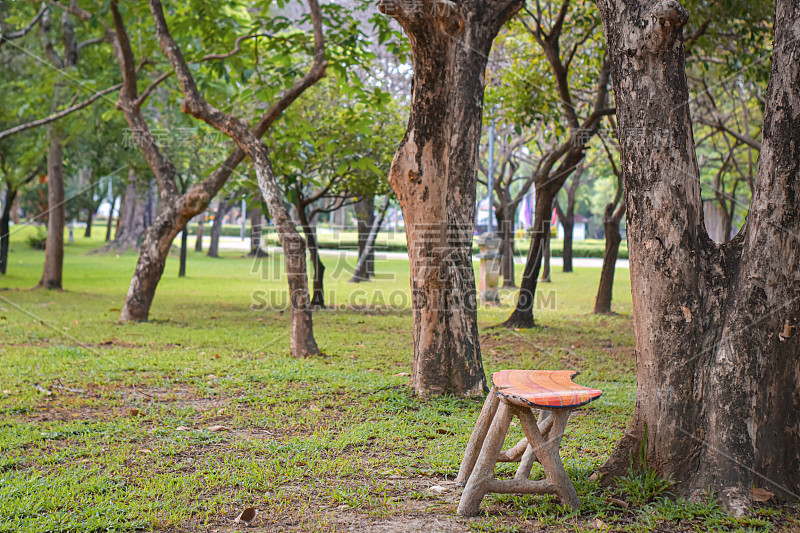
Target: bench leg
{"type": "Point", "coordinates": [483, 473]}
{"type": "Point", "coordinates": [546, 450]}
{"type": "Point", "coordinates": [478, 435]}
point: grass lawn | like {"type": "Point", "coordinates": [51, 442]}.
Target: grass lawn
{"type": "Point", "coordinates": [179, 423]}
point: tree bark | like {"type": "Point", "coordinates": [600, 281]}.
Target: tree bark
{"type": "Point", "coordinates": [434, 176]}
{"type": "Point", "coordinates": [110, 219]}
{"type": "Point", "coordinates": [54, 249]}
{"type": "Point", "coordinates": [505, 215]}
{"type": "Point", "coordinates": [361, 273]}
{"type": "Point", "coordinates": [256, 217]}
{"type": "Point", "coordinates": [715, 325]}
{"type": "Point", "coordinates": [184, 245]}
{"type": "Point", "coordinates": [547, 256]}
{"type": "Point", "coordinates": [216, 229]}
{"type": "Point", "coordinates": [198, 243]}
{"type": "Point", "coordinates": [365, 214]}
{"type": "Point", "coordinates": [5, 227]}
{"type": "Point", "coordinates": [136, 213]}
{"type": "Point", "coordinates": [310, 231]}
{"type": "Point", "coordinates": [89, 219]}
{"type": "Point", "coordinates": [605, 290]}
{"type": "Point", "coordinates": [302, 341]}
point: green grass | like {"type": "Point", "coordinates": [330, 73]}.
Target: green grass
{"type": "Point", "coordinates": [108, 427]}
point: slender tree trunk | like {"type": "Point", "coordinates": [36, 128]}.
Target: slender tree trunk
{"type": "Point", "coordinates": [310, 231]}
{"type": "Point", "coordinates": [216, 229]}
{"type": "Point", "coordinates": [365, 214]}
{"type": "Point", "coordinates": [434, 176]}
{"type": "Point", "coordinates": [54, 249]}
{"type": "Point", "coordinates": [5, 227]}
{"type": "Point", "coordinates": [361, 273]}
{"type": "Point", "coordinates": [569, 228]}
{"type": "Point", "coordinates": [546, 259]}
{"type": "Point", "coordinates": [134, 218]}
{"type": "Point", "coordinates": [522, 317]}
{"type": "Point", "coordinates": [605, 290]}
{"type": "Point", "coordinates": [89, 219]}
{"type": "Point", "coordinates": [256, 218]}
{"type": "Point", "coordinates": [505, 223]}
{"type": "Point", "coordinates": [198, 243]}
{"type": "Point", "coordinates": [110, 219]}
{"type": "Point", "coordinates": [184, 245]}
{"type": "Point", "coordinates": [717, 346]}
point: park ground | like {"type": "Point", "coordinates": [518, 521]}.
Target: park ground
{"type": "Point", "coordinates": [179, 423]}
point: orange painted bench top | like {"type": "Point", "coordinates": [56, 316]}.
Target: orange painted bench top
{"type": "Point", "coordinates": [542, 389]}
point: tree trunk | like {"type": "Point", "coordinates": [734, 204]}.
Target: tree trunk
{"type": "Point", "coordinates": [5, 227]}
{"type": "Point", "coordinates": [152, 259]}
{"type": "Point", "coordinates": [110, 219]}
{"type": "Point", "coordinates": [310, 231]}
{"type": "Point", "coordinates": [566, 255]}
{"type": "Point", "coordinates": [715, 325]}
{"type": "Point", "coordinates": [434, 176]}
{"type": "Point", "coordinates": [361, 273]}
{"type": "Point", "coordinates": [198, 243]}
{"type": "Point", "coordinates": [255, 234]}
{"type": "Point", "coordinates": [505, 224]}
{"type": "Point", "coordinates": [89, 219]}
{"type": "Point", "coordinates": [134, 218]}
{"type": "Point", "coordinates": [546, 259]}
{"type": "Point", "coordinates": [184, 245]}
{"type": "Point", "coordinates": [54, 249]}
{"type": "Point", "coordinates": [605, 290]}
{"type": "Point", "coordinates": [216, 229]}
{"type": "Point", "coordinates": [365, 213]}
{"type": "Point", "coordinates": [522, 317]}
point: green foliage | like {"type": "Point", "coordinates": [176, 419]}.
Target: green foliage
{"type": "Point", "coordinates": [38, 240]}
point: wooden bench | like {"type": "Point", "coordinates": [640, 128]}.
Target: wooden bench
{"type": "Point", "coordinates": [520, 393]}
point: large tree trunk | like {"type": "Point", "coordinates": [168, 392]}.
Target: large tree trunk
{"type": "Point", "coordinates": [434, 176]}
{"type": "Point", "coordinates": [365, 214]}
{"type": "Point", "coordinates": [505, 224]}
{"type": "Point", "coordinates": [216, 229]}
{"type": "Point", "coordinates": [361, 273]}
{"type": "Point", "coordinates": [310, 231]}
{"type": "Point", "coordinates": [716, 344]}
{"type": "Point", "coordinates": [605, 290]}
{"type": "Point", "coordinates": [5, 227]}
{"type": "Point", "coordinates": [54, 249]}
{"type": "Point", "coordinates": [201, 224]}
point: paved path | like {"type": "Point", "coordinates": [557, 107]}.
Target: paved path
{"type": "Point", "coordinates": [232, 244]}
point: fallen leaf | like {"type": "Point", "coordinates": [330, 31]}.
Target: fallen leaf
{"type": "Point", "coordinates": [315, 408]}
{"type": "Point", "coordinates": [594, 477]}
{"type": "Point", "coordinates": [343, 507]}
{"type": "Point", "coordinates": [619, 503]}
{"type": "Point", "coordinates": [218, 428]}
{"type": "Point", "coordinates": [599, 524]}
{"type": "Point", "coordinates": [760, 495]}
{"type": "Point", "coordinates": [402, 374]}
{"type": "Point", "coordinates": [246, 516]}
{"type": "Point", "coordinates": [133, 412]}
{"type": "Point", "coordinates": [182, 428]}
{"type": "Point", "coordinates": [145, 450]}
{"type": "Point", "coordinates": [437, 489]}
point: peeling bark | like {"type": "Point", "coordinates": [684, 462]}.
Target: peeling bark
{"type": "Point", "coordinates": [434, 176]}
{"type": "Point", "coordinates": [715, 325]}
{"type": "Point", "coordinates": [54, 248]}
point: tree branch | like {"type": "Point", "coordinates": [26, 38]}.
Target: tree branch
{"type": "Point", "coordinates": [4, 37]}
{"type": "Point", "coordinates": [60, 114]}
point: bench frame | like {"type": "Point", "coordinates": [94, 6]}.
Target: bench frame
{"type": "Point", "coordinates": [541, 443]}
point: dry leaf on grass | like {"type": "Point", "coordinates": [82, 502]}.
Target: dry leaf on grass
{"type": "Point", "coordinates": [182, 428]}
{"type": "Point", "coordinates": [246, 516]}
{"type": "Point", "coordinates": [760, 495]}
{"type": "Point", "coordinates": [218, 428]}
